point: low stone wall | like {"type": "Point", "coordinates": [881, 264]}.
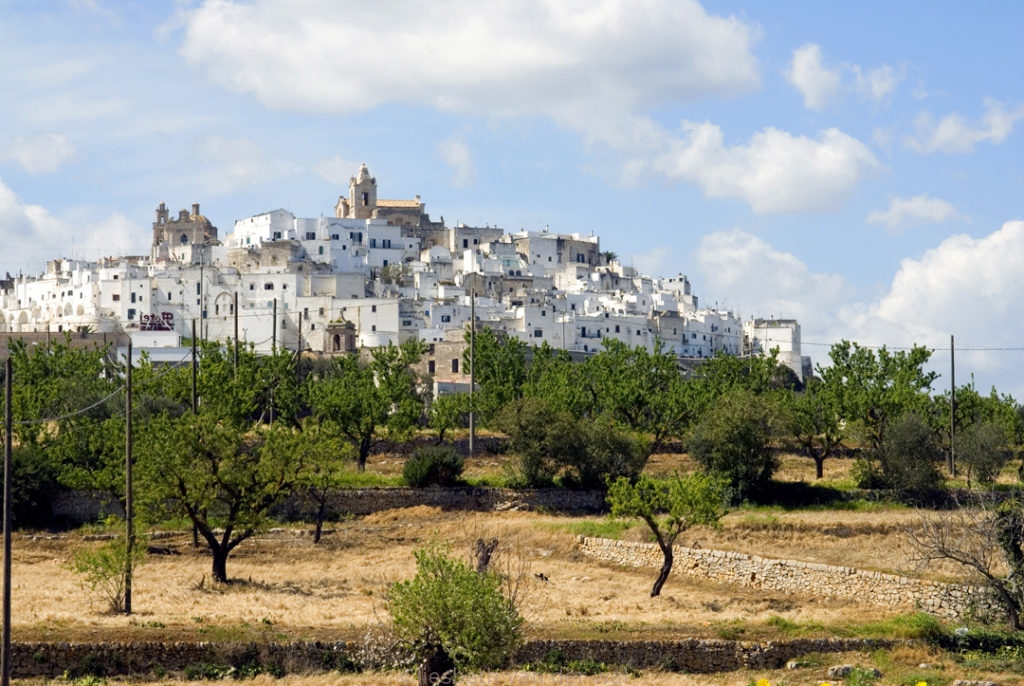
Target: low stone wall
{"type": "Point", "coordinates": [694, 655]}
{"type": "Point", "coordinates": [50, 660]}
{"type": "Point", "coordinates": [80, 507]}
{"type": "Point", "coordinates": [150, 658]}
{"type": "Point", "coordinates": [363, 501]}
{"type": "Point", "coordinates": [792, 576]}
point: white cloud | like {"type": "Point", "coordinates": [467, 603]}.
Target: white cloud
{"type": "Point", "coordinates": [529, 57]}
{"type": "Point", "coordinates": [817, 83]}
{"type": "Point", "coordinates": [821, 84]}
{"type": "Point", "coordinates": [457, 156]}
{"type": "Point", "coordinates": [921, 209]}
{"type": "Point", "coordinates": [657, 262]}
{"type": "Point", "coordinates": [954, 135]}
{"type": "Point", "coordinates": [336, 170]}
{"type": "Point", "coordinates": [32, 236]}
{"type": "Point", "coordinates": [775, 172]}
{"type": "Point", "coordinates": [39, 154]}
{"type": "Point", "coordinates": [763, 281]}
{"type": "Point", "coordinates": [878, 83]}
{"type": "Point", "coordinates": [967, 287]}
{"type": "Point", "coordinates": [234, 163]}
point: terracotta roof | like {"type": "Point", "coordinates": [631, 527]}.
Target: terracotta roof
{"type": "Point", "coordinates": [413, 204]}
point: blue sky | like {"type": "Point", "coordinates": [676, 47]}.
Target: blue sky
{"type": "Point", "coordinates": [857, 166]}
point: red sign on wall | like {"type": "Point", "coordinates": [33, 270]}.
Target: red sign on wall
{"type": "Point", "coordinates": [164, 321]}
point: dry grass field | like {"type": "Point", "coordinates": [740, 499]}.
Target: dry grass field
{"type": "Point", "coordinates": [285, 587]}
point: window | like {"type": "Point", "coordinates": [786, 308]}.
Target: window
{"type": "Point", "coordinates": [277, 235]}
{"type": "Point", "coordinates": [117, 296]}
{"type": "Point", "coordinates": [406, 322]}
{"type": "Point", "coordinates": [455, 365]}
{"type": "Point", "coordinates": [268, 286]}
{"type": "Point", "coordinates": [321, 311]}
{"type": "Point", "coordinates": [431, 366]}
{"type": "Point", "coordinates": [543, 313]}
{"type": "Point", "coordinates": [366, 199]}
{"type": "Point", "coordinates": [373, 328]}
{"type": "Point", "coordinates": [335, 236]}
{"type": "Point", "coordinates": [131, 313]}
{"type": "Point", "coordinates": [373, 308]}
{"type": "Point", "coordinates": [310, 235]}
{"type": "Point", "coordinates": [320, 250]}
{"type": "Point", "coordinates": [284, 324]}
{"type": "Point", "coordinates": [465, 243]}
{"type": "Point", "coordinates": [446, 318]}
{"type": "Point", "coordinates": [133, 297]}
{"type": "Point", "coordinates": [616, 328]}
{"type": "Point", "coordinates": [537, 333]}
{"type": "Point", "coordinates": [252, 287]}
{"type": "Point", "coordinates": [168, 295]}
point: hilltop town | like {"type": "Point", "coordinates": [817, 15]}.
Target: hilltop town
{"type": "Point", "coordinates": [377, 272]}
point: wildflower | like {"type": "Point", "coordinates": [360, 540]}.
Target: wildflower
{"type": "Point", "coordinates": [763, 682]}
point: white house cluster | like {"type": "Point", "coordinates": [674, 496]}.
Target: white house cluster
{"type": "Point", "coordinates": [377, 272]}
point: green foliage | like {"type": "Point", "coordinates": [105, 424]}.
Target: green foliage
{"type": "Point", "coordinates": [982, 448]}
{"type": "Point", "coordinates": [103, 570]}
{"type": "Point", "coordinates": [812, 418]}
{"type": "Point", "coordinates": [910, 455]}
{"type": "Point", "coordinates": [733, 441]}
{"type": "Point", "coordinates": [499, 368]}
{"type": "Point", "coordinates": [204, 469]}
{"type": "Point", "coordinates": [554, 446]}
{"type": "Point", "coordinates": [449, 606]}
{"type": "Point", "coordinates": [639, 390]}
{"type": "Point", "coordinates": [668, 507]}
{"type": "Point", "coordinates": [433, 465]}
{"type": "Point", "coordinates": [874, 388]}
{"type": "Point", "coordinates": [448, 412]}
{"type": "Point", "coordinates": [363, 402]}
{"type": "Point", "coordinates": [34, 486]}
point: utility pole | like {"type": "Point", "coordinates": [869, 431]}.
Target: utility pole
{"type": "Point", "coordinates": [5, 649]}
{"type": "Point", "coordinates": [472, 371]}
{"type": "Point", "coordinates": [952, 408]}
{"type": "Point", "coordinates": [195, 371]}
{"type": "Point", "coordinates": [129, 500]}
{"type": "Point", "coordinates": [273, 338]}
{"type": "Point", "coordinates": [235, 310]}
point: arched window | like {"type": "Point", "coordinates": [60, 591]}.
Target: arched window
{"type": "Point", "coordinates": [184, 239]}
{"type": "Point", "coordinates": [336, 343]}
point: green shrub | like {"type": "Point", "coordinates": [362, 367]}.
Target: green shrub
{"type": "Point", "coordinates": [102, 569]}
{"type": "Point", "coordinates": [448, 608]}
{"type": "Point", "coordinates": [433, 465]}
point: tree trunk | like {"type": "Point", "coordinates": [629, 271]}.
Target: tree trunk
{"type": "Point", "coordinates": [437, 669]}
{"type": "Point", "coordinates": [819, 465]}
{"type": "Point", "coordinates": [364, 452]}
{"type": "Point", "coordinates": [220, 564]}
{"type": "Point", "coordinates": [319, 521]}
{"type": "Point", "coordinates": [666, 567]}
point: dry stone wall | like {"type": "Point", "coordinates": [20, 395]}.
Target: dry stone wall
{"type": "Point", "coordinates": [216, 660]}
{"type": "Point", "coordinates": [792, 576]}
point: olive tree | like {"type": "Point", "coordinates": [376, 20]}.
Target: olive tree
{"type": "Point", "coordinates": [668, 507]}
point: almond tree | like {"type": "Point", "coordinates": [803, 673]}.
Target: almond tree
{"type": "Point", "coordinates": [668, 507]}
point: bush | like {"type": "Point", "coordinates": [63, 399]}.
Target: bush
{"type": "Point", "coordinates": [983, 449]}
{"type": "Point", "coordinates": [733, 440]}
{"type": "Point", "coordinates": [102, 570]}
{"type": "Point", "coordinates": [910, 455]}
{"type": "Point", "coordinates": [440, 465]}
{"type": "Point", "coordinates": [554, 446]}
{"type": "Point", "coordinates": [450, 609]}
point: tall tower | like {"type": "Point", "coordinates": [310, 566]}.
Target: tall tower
{"type": "Point", "coordinates": [362, 194]}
